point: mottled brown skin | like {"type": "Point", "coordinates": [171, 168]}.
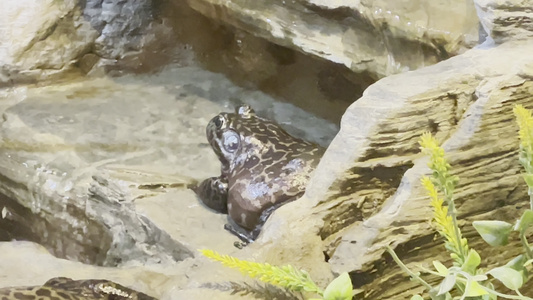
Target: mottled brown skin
{"type": "Point", "coordinates": [263, 167]}
{"type": "Point", "coordinates": [62, 288]}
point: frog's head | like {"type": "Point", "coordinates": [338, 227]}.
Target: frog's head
{"type": "Point", "coordinates": [227, 133]}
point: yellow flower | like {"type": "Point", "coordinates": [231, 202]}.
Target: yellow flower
{"type": "Point", "coordinates": [443, 181]}
{"type": "Point", "coordinates": [525, 124]}
{"type": "Point", "coordinates": [444, 223]}
{"type": "Point", "coordinates": [286, 276]}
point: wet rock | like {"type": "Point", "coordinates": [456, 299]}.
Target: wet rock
{"type": "Point", "coordinates": [120, 24]}
{"type": "Point", "coordinates": [98, 170]}
{"type": "Point", "coordinates": [29, 264]}
{"type": "Point", "coordinates": [382, 38]}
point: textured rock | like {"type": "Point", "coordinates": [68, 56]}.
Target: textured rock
{"type": "Point", "coordinates": [97, 170]}
{"type": "Point", "coordinates": [27, 264]}
{"type": "Point", "coordinates": [99, 36]}
{"type": "Point", "coordinates": [366, 192]}
{"type": "Point", "coordinates": [506, 20]}
{"type": "Point", "coordinates": [378, 37]}
{"type": "Point", "coordinates": [41, 41]}
{"type": "Point", "coordinates": [120, 24]}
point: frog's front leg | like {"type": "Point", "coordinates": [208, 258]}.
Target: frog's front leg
{"type": "Point", "coordinates": [248, 236]}
{"type": "Point", "coordinates": [244, 235]}
{"type": "Point", "coordinates": [214, 193]}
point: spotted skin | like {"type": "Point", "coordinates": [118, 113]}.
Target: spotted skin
{"type": "Point", "coordinates": [62, 288]}
{"type": "Point", "coordinates": [263, 167]}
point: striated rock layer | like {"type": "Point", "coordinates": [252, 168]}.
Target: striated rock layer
{"type": "Point", "coordinates": [366, 192]}
{"type": "Point", "coordinates": [378, 37]}
{"type": "Point", "coordinates": [97, 170]}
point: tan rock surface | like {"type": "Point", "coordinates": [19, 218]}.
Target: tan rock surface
{"type": "Point", "coordinates": [382, 38]}
{"type": "Point", "coordinates": [28, 264]}
{"type": "Point", "coordinates": [40, 38]}
{"type": "Point", "coordinates": [366, 193]}
{"type": "Point", "coordinates": [97, 171]}
{"type": "Point", "coordinates": [506, 20]}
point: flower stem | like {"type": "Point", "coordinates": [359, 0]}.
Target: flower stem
{"type": "Point", "coordinates": [525, 243]}
{"type": "Point", "coordinates": [530, 192]}
{"type": "Point", "coordinates": [457, 231]}
{"type": "Point", "coordinates": [407, 270]}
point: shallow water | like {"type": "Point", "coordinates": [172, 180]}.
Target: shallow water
{"type": "Point", "coordinates": [134, 141]}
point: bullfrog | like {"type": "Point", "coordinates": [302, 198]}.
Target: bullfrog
{"type": "Point", "coordinates": [63, 288]}
{"type": "Point", "coordinates": [263, 167]}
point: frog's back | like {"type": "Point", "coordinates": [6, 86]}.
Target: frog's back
{"type": "Point", "coordinates": [270, 175]}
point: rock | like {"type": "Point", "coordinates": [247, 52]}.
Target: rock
{"type": "Point", "coordinates": [120, 24]}
{"type": "Point", "coordinates": [380, 38]}
{"type": "Point", "coordinates": [49, 40]}
{"type": "Point", "coordinates": [29, 264]}
{"type": "Point", "coordinates": [97, 170]}
{"type": "Point", "coordinates": [41, 41]}
{"type": "Point", "coordinates": [366, 192]}
{"type": "Point", "coordinates": [506, 20]}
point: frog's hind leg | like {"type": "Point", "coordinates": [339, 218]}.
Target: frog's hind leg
{"type": "Point", "coordinates": [214, 193]}
{"type": "Point", "coordinates": [249, 236]}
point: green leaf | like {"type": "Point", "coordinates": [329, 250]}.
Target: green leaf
{"type": "Point", "coordinates": [519, 264]}
{"type": "Point", "coordinates": [433, 294]}
{"type": "Point", "coordinates": [472, 262]}
{"type": "Point", "coordinates": [447, 284]}
{"type": "Point", "coordinates": [474, 289]}
{"type": "Point", "coordinates": [440, 268]}
{"type": "Point", "coordinates": [480, 277]}
{"type": "Point", "coordinates": [495, 233]}
{"type": "Point", "coordinates": [340, 288]}
{"type": "Point", "coordinates": [417, 297]}
{"type": "Point", "coordinates": [525, 221]}
{"type": "Point", "coordinates": [489, 296]}
{"type": "Point", "coordinates": [511, 278]}
{"type": "Point", "coordinates": [529, 179]}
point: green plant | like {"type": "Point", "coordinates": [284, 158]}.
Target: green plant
{"type": "Point", "coordinates": [286, 277]}
{"type": "Point", "coordinates": [464, 279]}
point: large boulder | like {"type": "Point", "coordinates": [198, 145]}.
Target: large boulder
{"type": "Point", "coordinates": [41, 38]}
{"type": "Point", "coordinates": [375, 37]}
{"type": "Point", "coordinates": [366, 192]}
{"type": "Point", "coordinates": [506, 20]}
{"type": "Point", "coordinates": [49, 39]}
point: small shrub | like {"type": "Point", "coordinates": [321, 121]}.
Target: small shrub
{"type": "Point", "coordinates": [464, 278]}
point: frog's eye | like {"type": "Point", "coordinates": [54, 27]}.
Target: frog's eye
{"type": "Point", "coordinates": [219, 121]}
{"type": "Point", "coordinates": [231, 141]}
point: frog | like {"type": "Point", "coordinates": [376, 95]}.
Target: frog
{"type": "Point", "coordinates": [262, 168]}
{"type": "Point", "coordinates": [64, 288]}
